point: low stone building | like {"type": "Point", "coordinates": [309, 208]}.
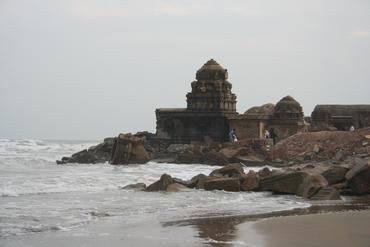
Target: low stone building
{"type": "Point", "coordinates": [281, 120]}
{"type": "Point", "coordinates": [211, 113]}
{"type": "Point", "coordinates": [340, 117]}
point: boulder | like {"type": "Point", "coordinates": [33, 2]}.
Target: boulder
{"type": "Point", "coordinates": [359, 183]}
{"type": "Point", "coordinates": [175, 187]}
{"type": "Point", "coordinates": [161, 184]}
{"type": "Point", "coordinates": [359, 167]}
{"type": "Point", "coordinates": [214, 158]}
{"type": "Point", "coordinates": [250, 182]}
{"type": "Point", "coordinates": [129, 149]}
{"type": "Point", "coordinates": [327, 193]}
{"type": "Point", "coordinates": [298, 183]}
{"type": "Point", "coordinates": [83, 157]}
{"type": "Point", "coordinates": [231, 170]}
{"type": "Point", "coordinates": [138, 186]}
{"type": "Point", "coordinates": [335, 174]}
{"type": "Point", "coordinates": [188, 158]}
{"type": "Point", "coordinates": [226, 184]}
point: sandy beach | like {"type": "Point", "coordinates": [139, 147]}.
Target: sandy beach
{"type": "Point", "coordinates": [349, 228]}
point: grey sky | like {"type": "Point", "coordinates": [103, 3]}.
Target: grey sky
{"type": "Point", "coordinates": [86, 69]}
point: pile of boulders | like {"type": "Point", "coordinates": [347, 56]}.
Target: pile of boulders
{"type": "Point", "coordinates": [95, 154]}
{"type": "Point", "coordinates": [324, 145]}
{"type": "Point", "coordinates": [309, 182]}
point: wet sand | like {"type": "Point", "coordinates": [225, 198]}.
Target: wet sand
{"type": "Point", "coordinates": [349, 228]}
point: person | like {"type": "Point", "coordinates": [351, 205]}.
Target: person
{"type": "Point", "coordinates": [267, 134]}
{"type": "Point", "coordinates": [273, 135]}
{"type": "Point", "coordinates": [352, 128]}
{"type": "Point", "coordinates": [232, 136]}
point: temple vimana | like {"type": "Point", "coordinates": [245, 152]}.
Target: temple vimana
{"type": "Point", "coordinates": [211, 113]}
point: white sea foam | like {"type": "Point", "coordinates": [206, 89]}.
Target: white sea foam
{"type": "Point", "coordinates": [37, 195]}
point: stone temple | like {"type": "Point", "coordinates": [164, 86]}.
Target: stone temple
{"type": "Point", "coordinates": [211, 113]}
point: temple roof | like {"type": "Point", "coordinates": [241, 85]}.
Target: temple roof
{"type": "Point", "coordinates": [211, 70]}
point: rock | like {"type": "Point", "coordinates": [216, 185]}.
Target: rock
{"type": "Point", "coordinates": [340, 155]}
{"type": "Point", "coordinates": [188, 158]}
{"type": "Point", "coordinates": [175, 187]}
{"type": "Point", "coordinates": [265, 172]}
{"type": "Point", "coordinates": [298, 183]}
{"type": "Point", "coordinates": [83, 157]}
{"type": "Point", "coordinates": [250, 182]}
{"type": "Point", "coordinates": [161, 184]}
{"type": "Point", "coordinates": [359, 183]}
{"type": "Point", "coordinates": [129, 149]}
{"type": "Point", "coordinates": [316, 149]}
{"type": "Point", "coordinates": [367, 137]}
{"type": "Point", "coordinates": [357, 168]}
{"type": "Point", "coordinates": [335, 174]}
{"type": "Point", "coordinates": [138, 186]}
{"type": "Point", "coordinates": [214, 158]}
{"type": "Point", "coordinates": [226, 184]}
{"type": "Point", "coordinates": [202, 180]}
{"type": "Point", "coordinates": [327, 193]}
{"type": "Point", "coordinates": [231, 170]}
{"type": "Point", "coordinates": [178, 148]}
{"type": "Point", "coordinates": [249, 160]}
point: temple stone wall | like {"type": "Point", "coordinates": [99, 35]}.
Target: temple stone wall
{"type": "Point", "coordinates": [341, 117]}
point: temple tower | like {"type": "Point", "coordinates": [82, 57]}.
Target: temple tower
{"type": "Point", "coordinates": [211, 92]}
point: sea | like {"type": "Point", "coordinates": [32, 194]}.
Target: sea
{"type": "Point", "coordinates": [45, 204]}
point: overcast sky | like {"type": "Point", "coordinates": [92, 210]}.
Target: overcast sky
{"type": "Point", "coordinates": [87, 69]}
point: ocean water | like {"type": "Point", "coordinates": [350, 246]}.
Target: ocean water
{"type": "Point", "coordinates": [40, 198]}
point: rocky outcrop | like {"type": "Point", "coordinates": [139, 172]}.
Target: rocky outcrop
{"type": "Point", "coordinates": [129, 149]}
{"type": "Point", "coordinates": [95, 154]}
{"type": "Point", "coordinates": [231, 170]}
{"type": "Point", "coordinates": [226, 184]}
{"type": "Point", "coordinates": [161, 184]}
{"type": "Point", "coordinates": [359, 179]}
{"type": "Point", "coordinates": [322, 145]}
{"type": "Point", "coordinates": [335, 174]}
{"type": "Point", "coordinates": [250, 182]}
{"type": "Point", "coordinates": [137, 186]}
{"type": "Point", "coordinates": [297, 183]}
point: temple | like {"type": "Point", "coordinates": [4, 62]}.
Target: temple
{"type": "Point", "coordinates": [211, 113]}
{"type": "Point", "coordinates": [210, 104]}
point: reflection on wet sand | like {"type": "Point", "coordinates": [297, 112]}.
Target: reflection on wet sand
{"type": "Point", "coordinates": [221, 231]}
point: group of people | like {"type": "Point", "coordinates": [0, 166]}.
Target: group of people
{"type": "Point", "coordinates": [267, 134]}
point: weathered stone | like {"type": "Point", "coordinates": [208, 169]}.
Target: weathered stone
{"type": "Point", "coordinates": [340, 155]}
{"type": "Point", "coordinates": [138, 186]}
{"type": "Point", "coordinates": [175, 187]}
{"type": "Point", "coordinates": [335, 174]}
{"type": "Point", "coordinates": [226, 184]}
{"type": "Point", "coordinates": [214, 158]}
{"type": "Point", "coordinates": [298, 183]}
{"type": "Point", "coordinates": [316, 149]}
{"type": "Point", "coordinates": [327, 193]}
{"type": "Point", "coordinates": [129, 149]}
{"type": "Point", "coordinates": [250, 182]}
{"type": "Point", "coordinates": [161, 184]}
{"type": "Point", "coordinates": [359, 167]}
{"type": "Point", "coordinates": [188, 158]}
{"type": "Point", "coordinates": [359, 183]}
{"type": "Point", "coordinates": [231, 170]}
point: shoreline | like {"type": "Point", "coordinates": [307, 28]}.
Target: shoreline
{"type": "Point", "coordinates": [330, 229]}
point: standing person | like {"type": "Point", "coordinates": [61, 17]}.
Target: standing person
{"type": "Point", "coordinates": [273, 135]}
{"type": "Point", "coordinates": [267, 134]}
{"type": "Point", "coordinates": [232, 136]}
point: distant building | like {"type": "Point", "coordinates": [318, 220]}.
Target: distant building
{"type": "Point", "coordinates": [341, 117]}
{"type": "Point", "coordinates": [211, 113]}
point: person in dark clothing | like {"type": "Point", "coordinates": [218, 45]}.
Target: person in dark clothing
{"type": "Point", "coordinates": [273, 135]}
{"type": "Point", "coordinates": [232, 136]}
